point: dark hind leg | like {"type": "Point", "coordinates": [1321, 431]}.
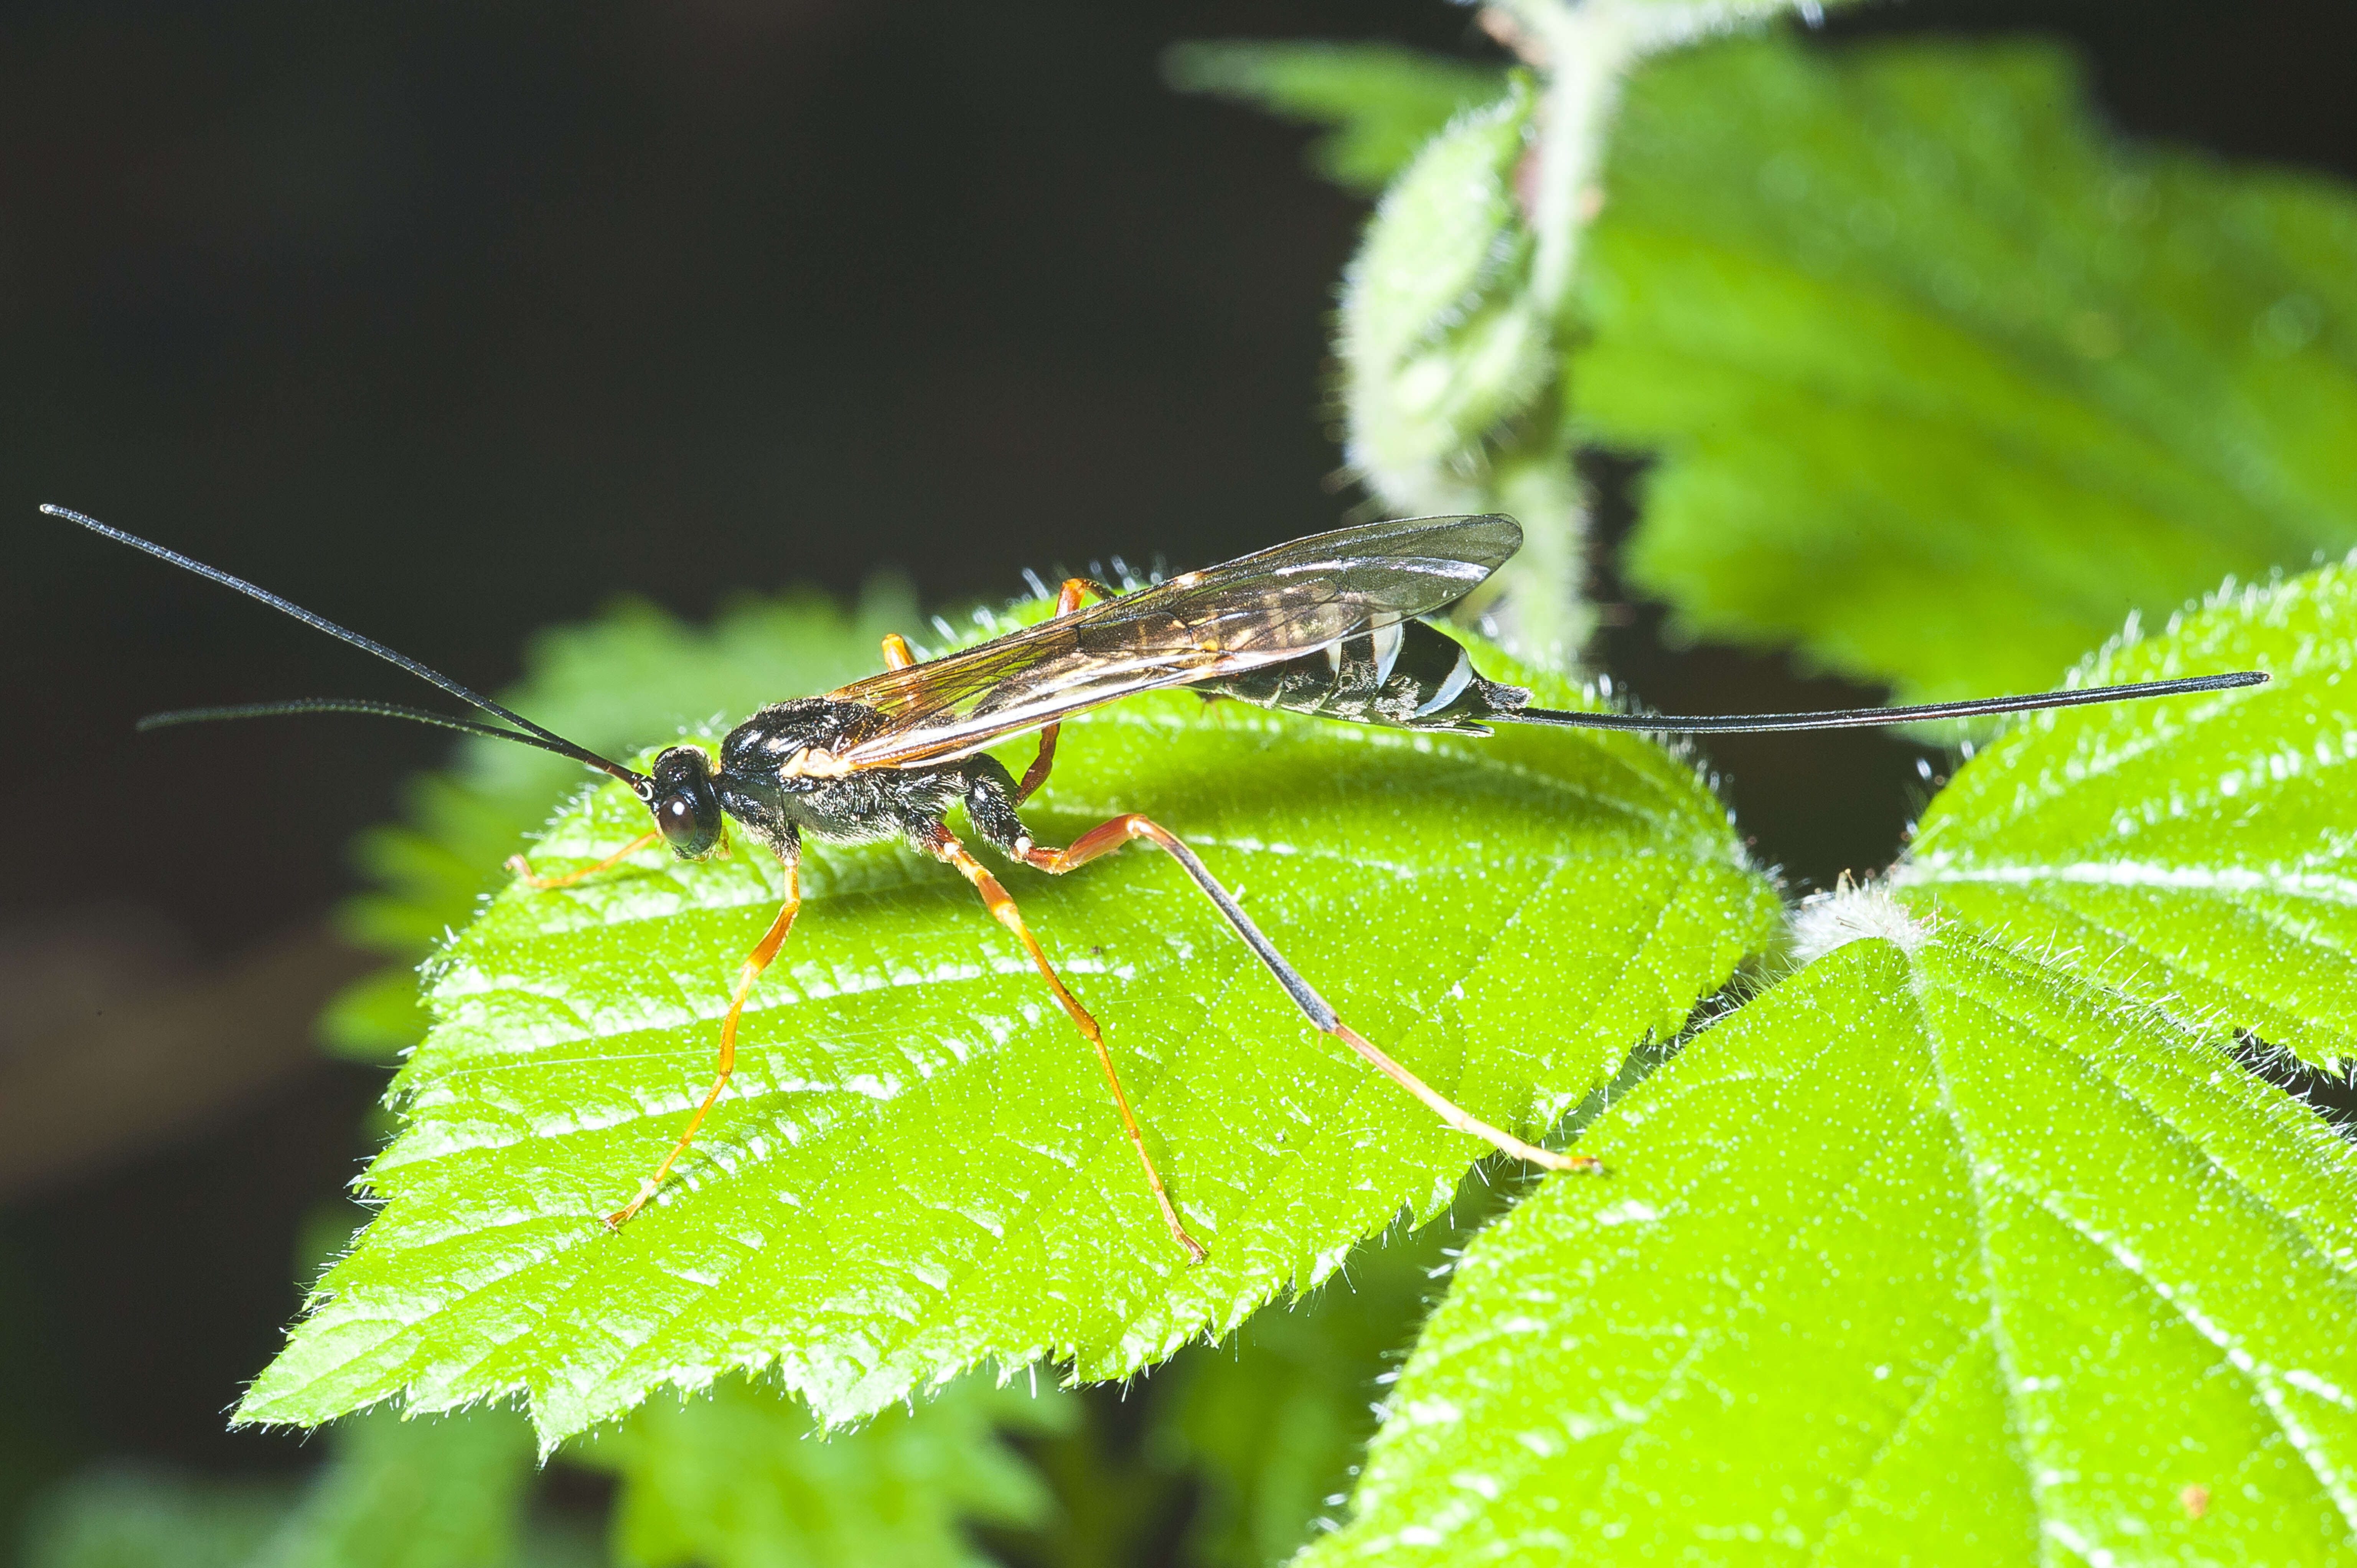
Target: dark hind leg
{"type": "Point", "coordinates": [1322, 1017]}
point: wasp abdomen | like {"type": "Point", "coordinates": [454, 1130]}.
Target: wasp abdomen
{"type": "Point", "coordinates": [1403, 674]}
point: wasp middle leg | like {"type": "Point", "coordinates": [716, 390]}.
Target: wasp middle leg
{"type": "Point", "coordinates": [995, 897]}
{"type": "Point", "coordinates": [1068, 599]}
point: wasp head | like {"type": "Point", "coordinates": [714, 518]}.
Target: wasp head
{"type": "Point", "coordinates": [686, 807]}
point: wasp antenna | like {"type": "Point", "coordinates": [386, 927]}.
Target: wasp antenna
{"type": "Point", "coordinates": [548, 740]}
{"type": "Point", "coordinates": [1866, 718]}
{"type": "Point", "coordinates": [368, 705]}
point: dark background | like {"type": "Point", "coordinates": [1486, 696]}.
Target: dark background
{"type": "Point", "coordinates": [452, 321]}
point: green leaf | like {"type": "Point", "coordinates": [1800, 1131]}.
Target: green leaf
{"type": "Point", "coordinates": [1974, 1242]}
{"type": "Point", "coordinates": [634, 677]}
{"type": "Point", "coordinates": [415, 1494]}
{"type": "Point", "coordinates": [2198, 853]}
{"type": "Point", "coordinates": [1948, 1259]}
{"type": "Point", "coordinates": [1276, 1424]}
{"type": "Point", "coordinates": [394, 1494]}
{"type": "Point", "coordinates": [136, 1519]}
{"type": "Point", "coordinates": [741, 1478]}
{"type": "Point", "coordinates": [919, 1169]}
{"type": "Point", "coordinates": [1943, 380]}
{"type": "Point", "coordinates": [1383, 102]}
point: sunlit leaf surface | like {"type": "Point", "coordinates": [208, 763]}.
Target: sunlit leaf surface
{"type": "Point", "coordinates": [2201, 853]}
{"type": "Point", "coordinates": [1955, 1260]}
{"type": "Point", "coordinates": [1974, 1243]}
{"type": "Point", "coordinates": [1943, 379]}
{"type": "Point", "coordinates": [918, 1169]}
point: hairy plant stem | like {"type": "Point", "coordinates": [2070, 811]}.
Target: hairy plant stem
{"type": "Point", "coordinates": [1585, 50]}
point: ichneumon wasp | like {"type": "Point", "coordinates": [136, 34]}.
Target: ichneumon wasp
{"type": "Point", "coordinates": [1327, 626]}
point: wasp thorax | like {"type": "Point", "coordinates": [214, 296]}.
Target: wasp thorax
{"type": "Point", "coordinates": [686, 808]}
{"type": "Point", "coordinates": [796, 745]}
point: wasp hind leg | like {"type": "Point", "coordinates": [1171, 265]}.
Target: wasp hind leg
{"type": "Point", "coordinates": [755, 962]}
{"type": "Point", "coordinates": [1002, 909]}
{"type": "Point", "coordinates": [1122, 830]}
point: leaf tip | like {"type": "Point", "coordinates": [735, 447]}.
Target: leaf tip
{"type": "Point", "coordinates": [1852, 911]}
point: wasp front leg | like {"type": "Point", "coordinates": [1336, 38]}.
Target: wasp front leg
{"type": "Point", "coordinates": [756, 962]}
{"type": "Point", "coordinates": [523, 867]}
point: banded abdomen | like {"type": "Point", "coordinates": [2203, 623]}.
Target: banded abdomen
{"type": "Point", "coordinates": [1405, 674]}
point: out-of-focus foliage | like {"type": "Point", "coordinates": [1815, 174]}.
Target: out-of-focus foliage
{"type": "Point", "coordinates": [140, 1518]}
{"type": "Point", "coordinates": [1273, 1422]}
{"type": "Point", "coordinates": [1382, 103]}
{"type": "Point", "coordinates": [1972, 1241]}
{"type": "Point", "coordinates": [394, 1494]}
{"type": "Point", "coordinates": [739, 1476]}
{"type": "Point", "coordinates": [2200, 855]}
{"type": "Point", "coordinates": [1944, 380]}
{"type": "Point", "coordinates": [1974, 1237]}
{"type": "Point", "coordinates": [918, 1170]}
{"type": "Point", "coordinates": [1920, 351]}
{"type": "Point", "coordinates": [415, 1494]}
{"type": "Point", "coordinates": [635, 676]}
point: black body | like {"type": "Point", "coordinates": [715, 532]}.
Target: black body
{"type": "Point", "coordinates": [757, 784]}
{"type": "Point", "coordinates": [1404, 675]}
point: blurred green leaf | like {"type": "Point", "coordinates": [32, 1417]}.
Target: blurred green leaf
{"type": "Point", "coordinates": [448, 1492]}
{"type": "Point", "coordinates": [1973, 1243]}
{"type": "Point", "coordinates": [918, 1171]}
{"type": "Point", "coordinates": [632, 677]}
{"type": "Point", "coordinates": [1943, 380]}
{"type": "Point", "coordinates": [1950, 1259]}
{"type": "Point", "coordinates": [142, 1518]}
{"type": "Point", "coordinates": [2198, 853]}
{"type": "Point", "coordinates": [1381, 102]}
{"type": "Point", "coordinates": [415, 1494]}
{"type": "Point", "coordinates": [739, 1476]}
{"type": "Point", "coordinates": [1274, 1423]}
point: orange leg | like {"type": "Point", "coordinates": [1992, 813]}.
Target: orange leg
{"type": "Point", "coordinates": [1003, 909]}
{"type": "Point", "coordinates": [896, 651]}
{"type": "Point", "coordinates": [1111, 836]}
{"type": "Point", "coordinates": [523, 867]}
{"type": "Point", "coordinates": [755, 962]}
{"type": "Point", "coordinates": [1068, 599]}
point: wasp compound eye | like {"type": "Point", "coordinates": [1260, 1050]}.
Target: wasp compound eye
{"type": "Point", "coordinates": [686, 808]}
